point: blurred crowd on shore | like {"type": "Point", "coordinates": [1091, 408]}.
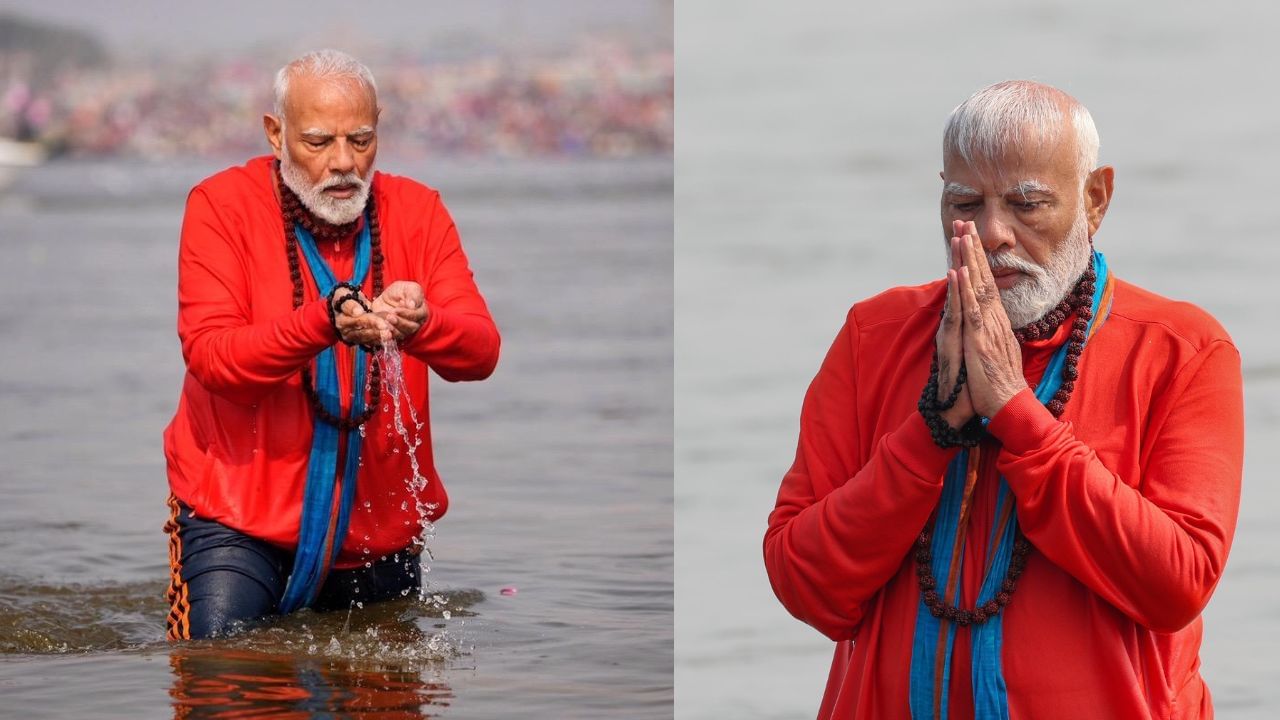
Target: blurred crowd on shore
{"type": "Point", "coordinates": [602, 98]}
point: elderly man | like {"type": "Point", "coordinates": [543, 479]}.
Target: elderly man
{"type": "Point", "coordinates": [1035, 532]}
{"type": "Point", "coordinates": [291, 484]}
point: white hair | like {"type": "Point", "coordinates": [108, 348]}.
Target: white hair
{"type": "Point", "coordinates": [321, 64]}
{"type": "Point", "coordinates": [1013, 113]}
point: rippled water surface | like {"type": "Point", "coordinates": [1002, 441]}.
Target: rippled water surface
{"type": "Point", "coordinates": [558, 467]}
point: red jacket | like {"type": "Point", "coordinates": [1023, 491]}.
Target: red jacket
{"type": "Point", "coordinates": [1129, 502]}
{"type": "Point", "coordinates": [237, 448]}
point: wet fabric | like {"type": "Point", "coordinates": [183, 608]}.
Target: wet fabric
{"type": "Point", "coordinates": [323, 525]}
{"type": "Point", "coordinates": [1129, 502]}
{"type": "Point", "coordinates": [227, 580]}
{"type": "Point", "coordinates": [238, 446]}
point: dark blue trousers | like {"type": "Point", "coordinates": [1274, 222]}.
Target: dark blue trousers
{"type": "Point", "coordinates": [223, 580]}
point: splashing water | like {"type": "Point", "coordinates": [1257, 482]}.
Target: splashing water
{"type": "Point", "coordinates": [392, 364]}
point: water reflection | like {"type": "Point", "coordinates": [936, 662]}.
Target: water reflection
{"type": "Point", "coordinates": [222, 682]}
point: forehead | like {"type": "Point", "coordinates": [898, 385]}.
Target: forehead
{"type": "Point", "coordinates": [1051, 161]}
{"type": "Point", "coordinates": [333, 104]}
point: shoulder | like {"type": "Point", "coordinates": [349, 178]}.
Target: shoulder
{"type": "Point", "coordinates": [240, 186]}
{"type": "Point", "coordinates": [899, 306]}
{"type": "Point", "coordinates": [254, 175]}
{"type": "Point", "coordinates": [398, 188]}
{"type": "Point", "coordinates": [1148, 315]}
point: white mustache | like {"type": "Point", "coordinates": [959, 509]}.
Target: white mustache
{"type": "Point", "coordinates": [339, 180]}
{"type": "Point", "coordinates": [1009, 261]}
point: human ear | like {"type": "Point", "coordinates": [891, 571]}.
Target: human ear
{"type": "Point", "coordinates": [1097, 195]}
{"type": "Point", "coordinates": [274, 130]}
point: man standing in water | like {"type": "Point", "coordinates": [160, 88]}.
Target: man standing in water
{"type": "Point", "coordinates": [290, 486]}
{"type": "Point", "coordinates": [1015, 488]}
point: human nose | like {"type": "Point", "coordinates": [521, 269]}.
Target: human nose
{"type": "Point", "coordinates": [342, 160]}
{"type": "Point", "coordinates": [994, 229]}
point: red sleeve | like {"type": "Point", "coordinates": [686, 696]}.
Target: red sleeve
{"type": "Point", "coordinates": [459, 340]}
{"type": "Point", "coordinates": [1153, 547]}
{"type": "Point", "coordinates": [230, 356]}
{"type": "Point", "coordinates": [841, 527]}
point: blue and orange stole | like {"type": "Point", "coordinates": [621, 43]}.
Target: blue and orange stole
{"type": "Point", "coordinates": [934, 637]}
{"type": "Point", "coordinates": [330, 489]}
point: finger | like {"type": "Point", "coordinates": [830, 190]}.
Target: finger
{"type": "Point", "coordinates": [975, 261]}
{"type": "Point", "coordinates": [349, 305]}
{"type": "Point", "coordinates": [970, 309]}
{"type": "Point", "coordinates": [956, 261]}
{"type": "Point", "coordinates": [987, 278]}
{"type": "Point", "coordinates": [407, 329]}
{"type": "Point", "coordinates": [953, 302]}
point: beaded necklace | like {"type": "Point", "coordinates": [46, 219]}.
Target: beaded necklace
{"type": "Point", "coordinates": [293, 211]}
{"type": "Point", "coordinates": [1079, 302]}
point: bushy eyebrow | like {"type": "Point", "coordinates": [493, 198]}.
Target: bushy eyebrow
{"type": "Point", "coordinates": [322, 134]}
{"type": "Point", "coordinates": [1026, 187]}
{"type": "Point", "coordinates": [955, 188]}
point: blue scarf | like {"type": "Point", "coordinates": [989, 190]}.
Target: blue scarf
{"type": "Point", "coordinates": [990, 696]}
{"type": "Point", "coordinates": [323, 527]}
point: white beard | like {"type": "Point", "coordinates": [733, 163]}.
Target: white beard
{"type": "Point", "coordinates": [336, 211]}
{"type": "Point", "coordinates": [1032, 297]}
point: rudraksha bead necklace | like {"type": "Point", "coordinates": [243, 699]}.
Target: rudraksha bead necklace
{"type": "Point", "coordinates": [293, 211]}
{"type": "Point", "coordinates": [969, 434]}
{"type": "Point", "coordinates": [929, 591]}
{"type": "Point", "coordinates": [1079, 301]}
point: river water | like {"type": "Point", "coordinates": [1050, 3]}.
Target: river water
{"type": "Point", "coordinates": [559, 466]}
{"type": "Point", "coordinates": [808, 137]}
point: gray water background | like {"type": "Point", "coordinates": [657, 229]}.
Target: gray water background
{"type": "Point", "coordinates": [808, 145]}
{"type": "Point", "coordinates": [558, 467]}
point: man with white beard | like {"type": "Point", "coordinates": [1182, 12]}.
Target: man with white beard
{"type": "Point", "coordinates": [1035, 532]}
{"type": "Point", "coordinates": [289, 486]}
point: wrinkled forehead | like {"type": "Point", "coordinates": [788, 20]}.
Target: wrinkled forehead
{"type": "Point", "coordinates": [321, 100]}
{"type": "Point", "coordinates": [1028, 155]}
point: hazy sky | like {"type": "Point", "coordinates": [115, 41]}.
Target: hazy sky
{"type": "Point", "coordinates": [129, 26]}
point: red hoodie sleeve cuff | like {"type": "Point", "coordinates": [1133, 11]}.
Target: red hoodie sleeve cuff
{"type": "Point", "coordinates": [913, 445]}
{"type": "Point", "coordinates": [1022, 424]}
{"type": "Point", "coordinates": [315, 318]}
{"type": "Point", "coordinates": [418, 342]}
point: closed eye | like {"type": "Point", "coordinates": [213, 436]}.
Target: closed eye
{"type": "Point", "coordinates": [1027, 205]}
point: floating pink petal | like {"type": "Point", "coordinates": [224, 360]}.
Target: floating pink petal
{"type": "Point", "coordinates": [509, 590]}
